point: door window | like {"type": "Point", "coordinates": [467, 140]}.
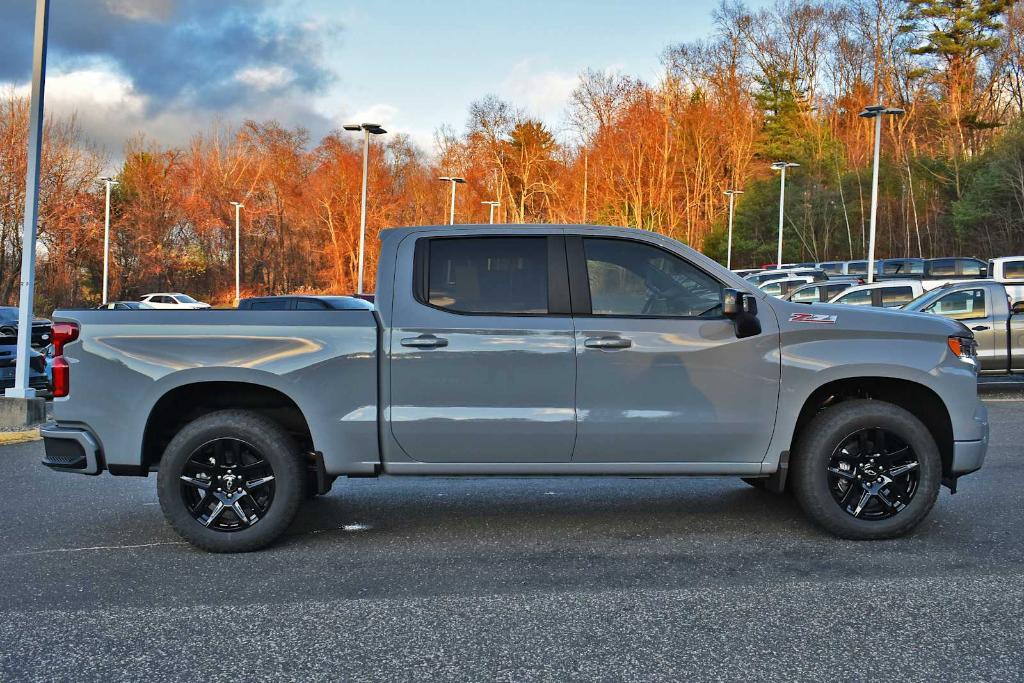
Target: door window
{"type": "Point", "coordinates": [806, 295]}
{"type": "Point", "coordinates": [857, 268]}
{"type": "Point", "coordinates": [832, 290]}
{"type": "Point", "coordinates": [861, 298]}
{"type": "Point", "coordinates": [945, 267]}
{"type": "Point", "coordinates": [271, 305]}
{"type": "Point", "coordinates": [894, 297]}
{"type": "Point", "coordinates": [963, 305]}
{"type": "Point", "coordinates": [629, 278]}
{"type": "Point", "coordinates": [496, 275]}
{"type": "Point", "coordinates": [772, 288]}
{"type": "Point", "coordinates": [310, 305]}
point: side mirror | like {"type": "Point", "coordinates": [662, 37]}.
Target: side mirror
{"type": "Point", "coordinates": [1018, 307]}
{"type": "Point", "coordinates": [741, 308]}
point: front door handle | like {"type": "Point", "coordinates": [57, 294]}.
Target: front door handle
{"type": "Point", "coordinates": [607, 343]}
{"type": "Point", "coordinates": [980, 328]}
{"type": "Point", "coordinates": [425, 341]}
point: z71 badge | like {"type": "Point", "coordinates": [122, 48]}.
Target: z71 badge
{"type": "Point", "coordinates": [813, 318]}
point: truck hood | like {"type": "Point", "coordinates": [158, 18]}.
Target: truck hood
{"type": "Point", "coordinates": [865, 321]}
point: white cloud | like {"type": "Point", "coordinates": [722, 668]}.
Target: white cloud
{"type": "Point", "coordinates": [265, 78]}
{"type": "Point", "coordinates": [543, 93]}
{"type": "Point", "coordinates": [380, 113]}
{"type": "Point", "coordinates": [141, 10]}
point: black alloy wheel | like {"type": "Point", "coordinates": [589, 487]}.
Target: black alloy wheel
{"type": "Point", "coordinates": [227, 485]}
{"type": "Point", "coordinates": [873, 474]}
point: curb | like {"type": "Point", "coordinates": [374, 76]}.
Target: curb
{"type": "Point", "coordinates": [24, 436]}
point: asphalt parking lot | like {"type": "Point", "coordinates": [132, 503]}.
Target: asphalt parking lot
{"type": "Point", "coordinates": [513, 580]}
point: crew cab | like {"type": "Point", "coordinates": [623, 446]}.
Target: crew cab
{"type": "Point", "coordinates": [522, 350]}
{"type": "Point", "coordinates": [887, 294]}
{"type": "Point", "coordinates": [985, 307]}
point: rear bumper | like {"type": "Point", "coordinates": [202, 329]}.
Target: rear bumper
{"type": "Point", "coordinates": [69, 449]}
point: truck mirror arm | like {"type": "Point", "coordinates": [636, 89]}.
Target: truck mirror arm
{"type": "Point", "coordinates": [741, 308]}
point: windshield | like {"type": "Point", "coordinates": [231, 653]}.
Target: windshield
{"type": "Point", "coordinates": [185, 299]}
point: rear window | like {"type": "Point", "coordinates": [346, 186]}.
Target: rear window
{"type": "Point", "coordinates": [310, 305]}
{"type": "Point", "coordinates": [1013, 270]}
{"type": "Point", "coordinates": [498, 275]}
{"type": "Point", "coordinates": [773, 288]}
{"type": "Point", "coordinates": [832, 290]}
{"type": "Point", "coordinates": [832, 268]}
{"type": "Point", "coordinates": [857, 268]}
{"type": "Point", "coordinates": [894, 297]}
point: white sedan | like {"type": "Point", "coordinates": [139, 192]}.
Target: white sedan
{"type": "Point", "coordinates": [173, 300]}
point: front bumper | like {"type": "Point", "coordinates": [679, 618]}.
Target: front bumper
{"type": "Point", "coordinates": [70, 449]}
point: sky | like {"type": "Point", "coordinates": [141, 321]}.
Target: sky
{"type": "Point", "coordinates": [165, 69]}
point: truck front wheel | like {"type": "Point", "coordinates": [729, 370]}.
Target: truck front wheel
{"type": "Point", "coordinates": [866, 469]}
{"type": "Point", "coordinates": [231, 481]}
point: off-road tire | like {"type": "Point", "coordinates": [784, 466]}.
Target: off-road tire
{"type": "Point", "coordinates": [273, 443]}
{"type": "Point", "coordinates": [826, 432]}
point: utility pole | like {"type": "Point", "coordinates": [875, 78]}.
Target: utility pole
{"type": "Point", "coordinates": [368, 130]}
{"type": "Point", "coordinates": [876, 112]}
{"type": "Point", "coordinates": [782, 166]}
{"type": "Point", "coordinates": [238, 252]}
{"type": "Point", "coordinates": [109, 181]}
{"type": "Point", "coordinates": [26, 291]}
{"type": "Point", "coordinates": [732, 196]}
{"type": "Point", "coordinates": [454, 180]}
{"type": "Point", "coordinates": [492, 204]}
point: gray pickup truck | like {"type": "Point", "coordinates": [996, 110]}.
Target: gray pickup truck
{"type": "Point", "coordinates": [522, 350]}
{"type": "Point", "coordinates": [987, 309]}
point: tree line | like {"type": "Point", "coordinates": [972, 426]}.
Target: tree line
{"type": "Point", "coordinates": [782, 83]}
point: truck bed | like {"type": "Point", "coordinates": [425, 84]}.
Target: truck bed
{"type": "Point", "coordinates": [126, 362]}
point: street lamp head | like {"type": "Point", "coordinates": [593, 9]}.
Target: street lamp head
{"type": "Point", "coordinates": [458, 180]}
{"type": "Point", "coordinates": [779, 165]}
{"type": "Point", "coordinates": [730, 193]}
{"type": "Point", "coordinates": [107, 179]}
{"type": "Point", "coordinates": [874, 110]}
{"type": "Point", "coordinates": [371, 128]}
{"type": "Point", "coordinates": [451, 179]}
{"type": "Point", "coordinates": [240, 205]}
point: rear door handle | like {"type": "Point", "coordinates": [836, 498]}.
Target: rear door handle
{"type": "Point", "coordinates": [980, 328]}
{"type": "Point", "coordinates": [425, 341]}
{"type": "Point", "coordinates": [607, 343]}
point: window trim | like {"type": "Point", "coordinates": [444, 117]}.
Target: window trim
{"type": "Point", "coordinates": [558, 296]}
{"type": "Point", "coordinates": [579, 280]}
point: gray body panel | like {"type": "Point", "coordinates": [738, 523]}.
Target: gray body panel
{"type": "Point", "coordinates": [516, 394]}
{"type": "Point", "coordinates": [125, 361]}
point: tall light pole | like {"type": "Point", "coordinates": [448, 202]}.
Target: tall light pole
{"type": "Point", "coordinates": [782, 166]}
{"type": "Point", "coordinates": [109, 182]}
{"type": "Point", "coordinates": [492, 204]}
{"type": "Point", "coordinates": [731, 194]}
{"type": "Point", "coordinates": [454, 180]}
{"type": "Point", "coordinates": [368, 130]}
{"type": "Point", "coordinates": [238, 252]}
{"type": "Point", "coordinates": [876, 112]}
{"type": "Point", "coordinates": [26, 291]}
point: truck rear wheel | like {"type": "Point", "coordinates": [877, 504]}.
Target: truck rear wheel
{"type": "Point", "coordinates": [866, 470]}
{"type": "Point", "coordinates": [231, 481]}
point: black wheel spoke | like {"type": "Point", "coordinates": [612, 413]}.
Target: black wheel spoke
{"type": "Point", "coordinates": [901, 470]}
{"type": "Point", "coordinates": [862, 503]}
{"type": "Point", "coordinates": [843, 474]}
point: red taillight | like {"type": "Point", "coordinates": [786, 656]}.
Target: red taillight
{"type": "Point", "coordinates": [61, 377]}
{"type": "Point", "coordinates": [63, 333]}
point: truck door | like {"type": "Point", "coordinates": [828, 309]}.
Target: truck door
{"type": "Point", "coordinates": [482, 363]}
{"type": "Point", "coordinates": [661, 376]}
{"type": "Point", "coordinates": [970, 307]}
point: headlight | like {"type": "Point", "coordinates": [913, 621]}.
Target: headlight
{"type": "Point", "coordinates": [964, 348]}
